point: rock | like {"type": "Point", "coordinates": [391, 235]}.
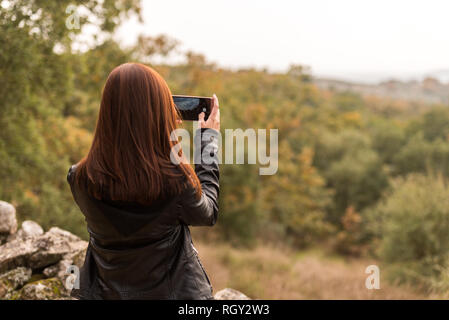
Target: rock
{"type": "Point", "coordinates": [41, 251]}
{"type": "Point", "coordinates": [63, 234]}
{"type": "Point", "coordinates": [8, 221]}
{"type": "Point", "coordinates": [230, 294]}
{"type": "Point", "coordinates": [3, 238]}
{"type": "Point", "coordinates": [75, 258]}
{"type": "Point", "coordinates": [29, 229]}
{"type": "Point", "coordinates": [59, 270]}
{"type": "Point", "coordinates": [47, 289]}
{"type": "Point", "coordinates": [12, 280]}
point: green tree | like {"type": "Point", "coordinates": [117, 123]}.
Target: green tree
{"type": "Point", "coordinates": [36, 83]}
{"type": "Point", "coordinates": [412, 226]}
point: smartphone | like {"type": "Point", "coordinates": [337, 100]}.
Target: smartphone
{"type": "Point", "coordinates": [191, 106]}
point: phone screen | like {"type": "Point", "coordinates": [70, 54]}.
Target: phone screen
{"type": "Point", "coordinates": [190, 106]}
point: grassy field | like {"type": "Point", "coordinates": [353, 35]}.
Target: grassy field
{"type": "Point", "coordinates": [280, 273]}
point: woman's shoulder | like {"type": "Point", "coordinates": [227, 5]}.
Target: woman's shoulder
{"type": "Point", "coordinates": [71, 173]}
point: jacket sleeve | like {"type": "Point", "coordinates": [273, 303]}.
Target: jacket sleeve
{"type": "Point", "coordinates": [71, 182]}
{"type": "Point", "coordinates": [70, 175]}
{"type": "Point", "coordinates": [203, 211]}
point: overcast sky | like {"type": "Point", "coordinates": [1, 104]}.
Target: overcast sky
{"type": "Point", "coordinates": [343, 38]}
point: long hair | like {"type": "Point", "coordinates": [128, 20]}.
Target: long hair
{"type": "Point", "coordinates": [129, 159]}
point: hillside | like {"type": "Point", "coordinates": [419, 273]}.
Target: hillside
{"type": "Point", "coordinates": [430, 90]}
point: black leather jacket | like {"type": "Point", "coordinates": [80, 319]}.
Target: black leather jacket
{"type": "Point", "coordinates": [138, 252]}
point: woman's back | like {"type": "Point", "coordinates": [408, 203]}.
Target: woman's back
{"type": "Point", "coordinates": [140, 245]}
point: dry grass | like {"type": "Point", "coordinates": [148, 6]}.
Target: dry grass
{"type": "Point", "coordinates": [279, 273]}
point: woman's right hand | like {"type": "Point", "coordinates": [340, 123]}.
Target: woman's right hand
{"type": "Point", "coordinates": [213, 122]}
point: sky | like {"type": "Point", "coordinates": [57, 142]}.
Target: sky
{"type": "Point", "coordinates": [349, 39]}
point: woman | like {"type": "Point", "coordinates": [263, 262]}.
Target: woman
{"type": "Point", "coordinates": [136, 201]}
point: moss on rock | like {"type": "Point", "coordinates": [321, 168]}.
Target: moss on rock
{"type": "Point", "coordinates": [12, 280]}
{"type": "Point", "coordinates": [47, 289]}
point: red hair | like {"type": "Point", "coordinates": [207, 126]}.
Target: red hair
{"type": "Point", "coordinates": [129, 159]}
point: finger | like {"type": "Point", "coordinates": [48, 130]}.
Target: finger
{"type": "Point", "coordinates": [179, 121]}
{"type": "Point", "coordinates": [214, 108]}
{"type": "Point", "coordinates": [217, 115]}
{"type": "Point", "coordinates": [201, 117]}
{"type": "Point", "coordinates": [216, 100]}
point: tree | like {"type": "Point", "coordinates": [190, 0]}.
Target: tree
{"type": "Point", "coordinates": [36, 84]}
{"type": "Point", "coordinates": [412, 226]}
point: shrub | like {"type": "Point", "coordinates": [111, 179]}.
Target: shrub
{"type": "Point", "coordinates": [413, 224]}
